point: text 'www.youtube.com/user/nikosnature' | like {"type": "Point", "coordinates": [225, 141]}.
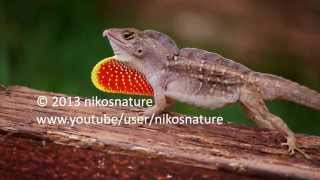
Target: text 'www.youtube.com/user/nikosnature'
{"type": "Point", "coordinates": [123, 119]}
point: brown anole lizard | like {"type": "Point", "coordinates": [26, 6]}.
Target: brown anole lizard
{"type": "Point", "coordinates": [206, 79]}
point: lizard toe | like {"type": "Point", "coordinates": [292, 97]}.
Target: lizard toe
{"type": "Point", "coordinates": [292, 148]}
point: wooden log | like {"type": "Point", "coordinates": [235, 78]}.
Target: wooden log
{"type": "Point", "coordinates": [167, 151]}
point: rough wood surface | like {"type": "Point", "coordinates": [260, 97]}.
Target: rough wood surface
{"type": "Point", "coordinates": [211, 149]}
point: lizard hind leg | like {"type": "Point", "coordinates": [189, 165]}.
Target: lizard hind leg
{"type": "Point", "coordinates": [257, 111]}
{"type": "Point", "coordinates": [259, 120]}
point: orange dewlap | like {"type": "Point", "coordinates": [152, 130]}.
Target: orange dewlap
{"type": "Point", "coordinates": [109, 75]}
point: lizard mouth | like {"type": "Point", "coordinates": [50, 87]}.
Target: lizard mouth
{"type": "Point", "coordinates": [113, 38]}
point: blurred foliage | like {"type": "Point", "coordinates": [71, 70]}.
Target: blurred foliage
{"type": "Point", "coordinates": [53, 45]}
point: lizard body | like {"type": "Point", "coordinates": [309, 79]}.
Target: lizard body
{"type": "Point", "coordinates": [205, 79]}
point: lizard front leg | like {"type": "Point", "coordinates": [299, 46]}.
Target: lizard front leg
{"type": "Point", "coordinates": [161, 103]}
{"type": "Point", "coordinates": [255, 107]}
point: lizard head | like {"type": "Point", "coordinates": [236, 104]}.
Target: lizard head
{"type": "Point", "coordinates": [137, 48]}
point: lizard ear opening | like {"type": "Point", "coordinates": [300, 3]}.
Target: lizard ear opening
{"type": "Point", "coordinates": [139, 52]}
{"type": "Point", "coordinates": [164, 40]}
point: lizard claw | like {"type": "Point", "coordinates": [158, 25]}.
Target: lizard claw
{"type": "Point", "coordinates": [144, 115]}
{"type": "Point", "coordinates": [292, 147]}
{"type": "Point", "coordinates": [152, 111]}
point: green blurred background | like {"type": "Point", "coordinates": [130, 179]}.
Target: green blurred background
{"type": "Point", "coordinates": [53, 45]}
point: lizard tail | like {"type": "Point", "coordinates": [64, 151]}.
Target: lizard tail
{"type": "Point", "coordinates": [275, 87]}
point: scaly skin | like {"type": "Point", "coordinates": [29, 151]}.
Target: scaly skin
{"type": "Point", "coordinates": [205, 79]}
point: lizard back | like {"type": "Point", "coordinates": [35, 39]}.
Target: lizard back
{"type": "Point", "coordinates": [208, 67]}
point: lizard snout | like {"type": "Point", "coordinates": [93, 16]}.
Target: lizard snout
{"type": "Point", "coordinates": [105, 33]}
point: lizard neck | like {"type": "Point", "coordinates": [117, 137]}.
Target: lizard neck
{"type": "Point", "coordinates": [153, 67]}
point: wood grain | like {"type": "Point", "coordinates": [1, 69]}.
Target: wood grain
{"type": "Point", "coordinates": [237, 150]}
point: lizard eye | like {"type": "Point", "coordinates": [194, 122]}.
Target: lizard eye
{"type": "Point", "coordinates": [128, 35]}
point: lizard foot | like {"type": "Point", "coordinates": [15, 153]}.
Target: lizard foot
{"type": "Point", "coordinates": [292, 147]}
{"type": "Point", "coordinates": [145, 116]}
{"type": "Point", "coordinates": [152, 111]}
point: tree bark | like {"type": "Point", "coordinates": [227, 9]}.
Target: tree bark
{"type": "Point", "coordinates": [162, 151]}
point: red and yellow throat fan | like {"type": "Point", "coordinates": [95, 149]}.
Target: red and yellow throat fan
{"type": "Point", "coordinates": [109, 75]}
